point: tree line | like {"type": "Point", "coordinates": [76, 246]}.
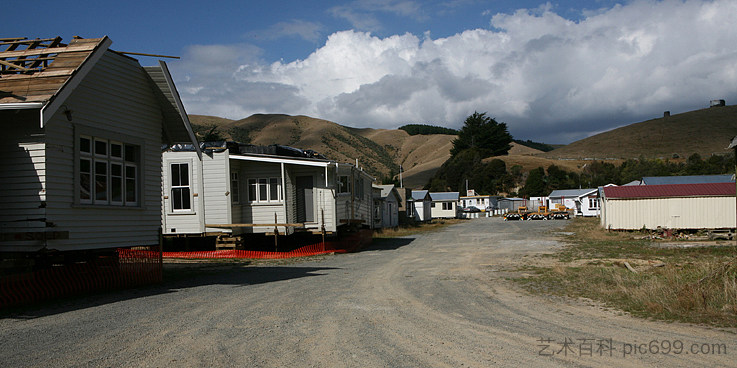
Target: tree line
{"type": "Point", "coordinates": [482, 137]}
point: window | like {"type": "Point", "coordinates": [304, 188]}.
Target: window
{"type": "Point", "coordinates": [343, 184]}
{"type": "Point", "coordinates": [593, 203]}
{"type": "Point", "coordinates": [447, 206]}
{"type": "Point", "coordinates": [107, 172]}
{"type": "Point", "coordinates": [234, 190]}
{"type": "Point", "coordinates": [264, 190]}
{"type": "Point", "coordinates": [180, 190]}
{"type": "Point", "coordinates": [432, 204]}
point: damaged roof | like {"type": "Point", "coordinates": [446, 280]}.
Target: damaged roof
{"type": "Point", "coordinates": [36, 70]}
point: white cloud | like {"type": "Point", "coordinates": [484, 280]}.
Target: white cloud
{"type": "Point", "coordinates": [547, 77]}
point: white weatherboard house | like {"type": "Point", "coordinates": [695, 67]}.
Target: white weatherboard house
{"type": "Point", "coordinates": [83, 128]}
{"type": "Point", "coordinates": [444, 204]}
{"type": "Point", "coordinates": [422, 202]}
{"type": "Point", "coordinates": [389, 202]}
{"type": "Point", "coordinates": [238, 186]}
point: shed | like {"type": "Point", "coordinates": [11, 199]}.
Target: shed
{"type": "Point", "coordinates": [83, 128]}
{"type": "Point", "coordinates": [422, 202]}
{"type": "Point", "coordinates": [406, 205]}
{"type": "Point", "coordinates": [444, 204]}
{"type": "Point", "coordinates": [389, 205]}
{"type": "Point", "coordinates": [675, 206]}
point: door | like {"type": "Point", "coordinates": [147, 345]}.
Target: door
{"type": "Point", "coordinates": [305, 208]}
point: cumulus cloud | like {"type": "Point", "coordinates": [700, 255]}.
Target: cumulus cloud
{"type": "Point", "coordinates": [548, 78]}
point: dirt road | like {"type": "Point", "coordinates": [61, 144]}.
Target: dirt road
{"type": "Point", "coordinates": [438, 299]}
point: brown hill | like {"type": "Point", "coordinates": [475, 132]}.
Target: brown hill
{"type": "Point", "coordinates": [705, 131]}
{"type": "Point", "coordinates": [379, 151]}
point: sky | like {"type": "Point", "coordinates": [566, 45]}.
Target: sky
{"type": "Point", "coordinates": [554, 72]}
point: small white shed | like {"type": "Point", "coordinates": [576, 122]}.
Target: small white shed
{"type": "Point", "coordinates": [389, 200]}
{"type": "Point", "coordinates": [444, 204]}
{"type": "Point", "coordinates": [422, 203]}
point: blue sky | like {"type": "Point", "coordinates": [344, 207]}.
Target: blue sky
{"type": "Point", "coordinates": [553, 71]}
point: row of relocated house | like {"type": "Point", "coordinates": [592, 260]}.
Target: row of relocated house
{"type": "Point", "coordinates": [83, 167]}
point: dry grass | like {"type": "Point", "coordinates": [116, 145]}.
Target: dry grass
{"type": "Point", "coordinates": [696, 285]}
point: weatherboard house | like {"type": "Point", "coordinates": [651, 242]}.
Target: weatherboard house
{"type": "Point", "coordinates": [239, 189]}
{"type": "Point", "coordinates": [83, 128]}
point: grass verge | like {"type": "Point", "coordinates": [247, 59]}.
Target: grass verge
{"type": "Point", "coordinates": [694, 284]}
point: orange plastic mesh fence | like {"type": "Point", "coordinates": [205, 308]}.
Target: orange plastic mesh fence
{"type": "Point", "coordinates": [125, 268]}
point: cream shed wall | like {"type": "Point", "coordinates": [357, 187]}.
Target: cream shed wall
{"type": "Point", "coordinates": [671, 213]}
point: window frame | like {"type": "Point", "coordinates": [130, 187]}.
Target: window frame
{"type": "Point", "coordinates": [235, 195]}
{"type": "Point", "coordinates": [172, 187]}
{"type": "Point", "coordinates": [257, 185]}
{"type": "Point", "coordinates": [101, 163]}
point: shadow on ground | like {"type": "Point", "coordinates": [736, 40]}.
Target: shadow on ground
{"type": "Point", "coordinates": [176, 278]}
{"type": "Point", "coordinates": [388, 243]}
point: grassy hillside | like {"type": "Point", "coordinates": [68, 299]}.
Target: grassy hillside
{"type": "Point", "coordinates": [707, 131]}
{"type": "Point", "coordinates": [379, 151]}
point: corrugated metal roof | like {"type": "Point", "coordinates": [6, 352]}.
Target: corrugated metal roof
{"type": "Point", "coordinates": [386, 189]}
{"type": "Point", "coordinates": [687, 179]}
{"type": "Point", "coordinates": [674, 190]}
{"type": "Point", "coordinates": [568, 193]}
{"type": "Point", "coordinates": [444, 196]}
{"type": "Point", "coordinates": [419, 195]}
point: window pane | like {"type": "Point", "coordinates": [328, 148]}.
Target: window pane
{"type": "Point", "coordinates": [180, 198]}
{"type": "Point", "coordinates": [273, 189]}
{"type": "Point", "coordinates": [252, 190]}
{"type": "Point", "coordinates": [116, 189]}
{"type": "Point", "coordinates": [101, 148]}
{"type": "Point", "coordinates": [116, 150]}
{"type": "Point", "coordinates": [175, 181]}
{"type": "Point", "coordinates": [262, 191]}
{"type": "Point", "coordinates": [131, 186]}
{"type": "Point", "coordinates": [85, 176]}
{"type": "Point", "coordinates": [84, 144]}
{"type": "Point", "coordinates": [184, 174]}
{"type": "Point", "coordinates": [116, 183]}
{"type": "Point", "coordinates": [130, 153]}
{"type": "Point", "coordinates": [234, 187]}
{"type": "Point", "coordinates": [101, 181]}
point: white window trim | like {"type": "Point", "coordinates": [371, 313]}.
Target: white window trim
{"type": "Point", "coordinates": [94, 136]}
{"type": "Point", "coordinates": [170, 187]}
{"type": "Point", "coordinates": [257, 189]}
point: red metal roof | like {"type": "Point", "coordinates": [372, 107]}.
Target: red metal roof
{"type": "Point", "coordinates": [673, 190]}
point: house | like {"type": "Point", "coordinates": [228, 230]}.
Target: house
{"type": "Point", "coordinates": [674, 206]}
{"type": "Point", "coordinates": [511, 204]}
{"type": "Point", "coordinates": [389, 202]}
{"type": "Point", "coordinates": [83, 128]}
{"type": "Point", "coordinates": [444, 204]}
{"type": "Point", "coordinates": [422, 202]}
{"type": "Point", "coordinates": [567, 197]}
{"type": "Point", "coordinates": [481, 202]}
{"type": "Point", "coordinates": [406, 205]}
{"type": "Point", "coordinates": [240, 189]}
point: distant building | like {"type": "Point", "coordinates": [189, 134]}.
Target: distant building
{"type": "Point", "coordinates": [674, 206]}
{"type": "Point", "coordinates": [444, 204]}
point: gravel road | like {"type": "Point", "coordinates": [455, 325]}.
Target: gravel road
{"type": "Point", "coordinates": [439, 299]}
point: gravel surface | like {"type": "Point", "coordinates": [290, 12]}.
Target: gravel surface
{"type": "Point", "coordinates": [439, 299]}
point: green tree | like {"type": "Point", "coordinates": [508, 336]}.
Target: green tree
{"type": "Point", "coordinates": [483, 133]}
{"type": "Point", "coordinates": [535, 184]}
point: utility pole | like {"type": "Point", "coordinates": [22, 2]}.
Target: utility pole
{"type": "Point", "coordinates": [401, 183]}
{"type": "Point", "coordinates": [733, 145]}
